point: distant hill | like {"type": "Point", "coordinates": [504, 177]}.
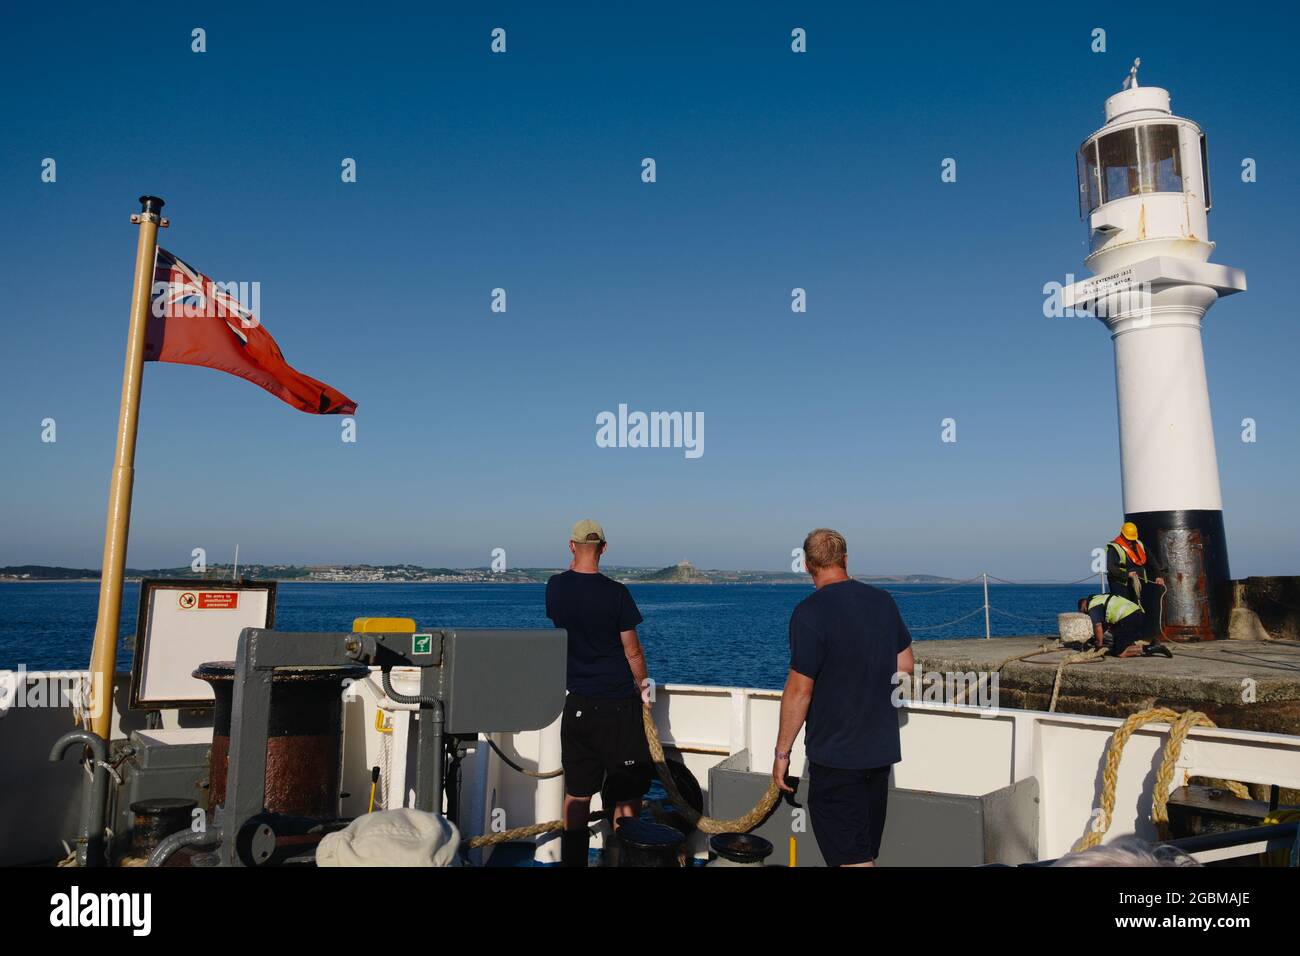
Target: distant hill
{"type": "Point", "coordinates": [683, 572]}
{"type": "Point", "coordinates": [41, 572]}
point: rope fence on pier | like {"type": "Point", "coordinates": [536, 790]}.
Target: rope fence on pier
{"type": "Point", "coordinates": [935, 627]}
{"type": "Point", "coordinates": [987, 608]}
{"type": "Point", "coordinates": [953, 587]}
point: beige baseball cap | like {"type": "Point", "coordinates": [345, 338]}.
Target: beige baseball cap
{"type": "Point", "coordinates": [586, 531]}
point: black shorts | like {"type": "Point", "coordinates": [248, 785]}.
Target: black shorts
{"type": "Point", "coordinates": [1127, 630]}
{"type": "Point", "coordinates": [603, 748]}
{"type": "Point", "coordinates": [847, 808]}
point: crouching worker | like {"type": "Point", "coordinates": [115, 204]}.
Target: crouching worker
{"type": "Point", "coordinates": [602, 740]}
{"type": "Point", "coordinates": [1126, 622]}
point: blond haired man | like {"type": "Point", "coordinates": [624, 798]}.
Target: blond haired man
{"type": "Point", "coordinates": [847, 641]}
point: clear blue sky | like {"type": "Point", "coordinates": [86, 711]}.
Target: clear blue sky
{"type": "Point", "coordinates": [476, 430]}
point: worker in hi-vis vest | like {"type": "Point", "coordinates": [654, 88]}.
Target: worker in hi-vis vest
{"type": "Point", "coordinates": [1132, 572]}
{"type": "Point", "coordinates": [1125, 621]}
{"type": "Point", "coordinates": [1129, 567]}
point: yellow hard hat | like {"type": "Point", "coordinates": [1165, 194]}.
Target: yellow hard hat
{"type": "Point", "coordinates": [1129, 531]}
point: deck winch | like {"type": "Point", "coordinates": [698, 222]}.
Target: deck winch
{"type": "Point", "coordinates": [471, 681]}
{"type": "Point", "coordinates": [304, 737]}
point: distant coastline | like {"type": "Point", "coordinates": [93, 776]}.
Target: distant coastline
{"type": "Point", "coordinates": [681, 573]}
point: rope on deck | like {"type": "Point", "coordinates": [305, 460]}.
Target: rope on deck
{"type": "Point", "coordinates": [518, 833]}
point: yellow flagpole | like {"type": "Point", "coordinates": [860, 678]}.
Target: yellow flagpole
{"type": "Point", "coordinates": [103, 658]}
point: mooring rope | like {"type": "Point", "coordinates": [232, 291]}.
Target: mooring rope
{"type": "Point", "coordinates": [966, 688]}
{"type": "Point", "coordinates": [1180, 726]}
{"type": "Point", "coordinates": [740, 824]}
{"type": "Point", "coordinates": [1082, 657]}
{"type": "Point", "coordinates": [522, 833]}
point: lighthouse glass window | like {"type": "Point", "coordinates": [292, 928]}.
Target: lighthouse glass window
{"type": "Point", "coordinates": [1161, 171]}
{"type": "Point", "coordinates": [1117, 154]}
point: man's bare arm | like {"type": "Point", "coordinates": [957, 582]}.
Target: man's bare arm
{"type": "Point", "coordinates": [906, 661]}
{"type": "Point", "coordinates": [635, 657]}
{"type": "Point", "coordinates": [794, 711]}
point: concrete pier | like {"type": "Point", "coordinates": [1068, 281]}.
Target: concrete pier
{"type": "Point", "coordinates": [1244, 685]}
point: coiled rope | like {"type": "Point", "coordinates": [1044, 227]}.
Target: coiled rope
{"type": "Point", "coordinates": [1180, 726]}
{"type": "Point", "coordinates": [740, 824]}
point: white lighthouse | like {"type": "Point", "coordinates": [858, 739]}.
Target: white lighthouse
{"type": "Point", "coordinates": [1144, 192]}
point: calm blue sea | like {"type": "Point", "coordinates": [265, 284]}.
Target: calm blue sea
{"type": "Point", "coordinates": [733, 635]}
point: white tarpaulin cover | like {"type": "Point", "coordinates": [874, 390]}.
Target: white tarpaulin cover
{"type": "Point", "coordinates": [392, 838]}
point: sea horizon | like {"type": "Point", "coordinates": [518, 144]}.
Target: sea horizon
{"type": "Point", "coordinates": [712, 634]}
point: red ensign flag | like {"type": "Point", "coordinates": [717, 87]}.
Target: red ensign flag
{"type": "Point", "coordinates": [194, 321]}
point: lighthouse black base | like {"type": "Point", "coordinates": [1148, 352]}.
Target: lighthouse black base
{"type": "Point", "coordinates": [1191, 546]}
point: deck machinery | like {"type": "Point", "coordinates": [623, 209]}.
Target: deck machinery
{"type": "Point", "coordinates": [471, 681]}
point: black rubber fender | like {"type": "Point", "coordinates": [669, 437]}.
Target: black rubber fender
{"type": "Point", "coordinates": [687, 786]}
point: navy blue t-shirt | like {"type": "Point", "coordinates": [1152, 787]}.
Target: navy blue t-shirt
{"type": "Point", "coordinates": [847, 637]}
{"type": "Point", "coordinates": [594, 609]}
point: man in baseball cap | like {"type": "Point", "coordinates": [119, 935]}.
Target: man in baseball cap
{"type": "Point", "coordinates": [602, 741]}
{"type": "Point", "coordinates": [587, 531]}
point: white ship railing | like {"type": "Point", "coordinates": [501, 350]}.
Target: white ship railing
{"type": "Point", "coordinates": [959, 750]}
